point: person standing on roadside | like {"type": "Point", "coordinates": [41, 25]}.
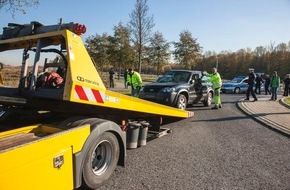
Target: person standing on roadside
{"type": "Point", "coordinates": [135, 81]}
{"type": "Point", "coordinates": [259, 81]}
{"type": "Point", "coordinates": [251, 82]}
{"type": "Point", "coordinates": [267, 84]}
{"type": "Point", "coordinates": [216, 81]}
{"type": "Point", "coordinates": [125, 78]}
{"type": "Point", "coordinates": [274, 84]}
{"type": "Point", "coordinates": [287, 85]}
{"type": "Point", "coordinates": [111, 77]}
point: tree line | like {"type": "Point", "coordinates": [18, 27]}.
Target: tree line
{"type": "Point", "coordinates": [262, 59]}
{"type": "Point", "coordinates": [133, 45]}
{"type": "Point", "coordinates": [118, 52]}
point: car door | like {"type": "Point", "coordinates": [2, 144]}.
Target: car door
{"type": "Point", "coordinates": [244, 85]}
{"type": "Point", "coordinates": [195, 91]}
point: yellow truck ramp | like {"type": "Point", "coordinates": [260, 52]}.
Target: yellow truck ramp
{"type": "Point", "coordinates": [82, 84]}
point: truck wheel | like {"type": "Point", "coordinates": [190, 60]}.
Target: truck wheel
{"type": "Point", "coordinates": [181, 102]}
{"type": "Point", "coordinates": [237, 90]}
{"type": "Point", "coordinates": [101, 160]}
{"type": "Point", "coordinates": [208, 99]}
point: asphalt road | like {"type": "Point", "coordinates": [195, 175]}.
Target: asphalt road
{"type": "Point", "coordinates": [215, 150]}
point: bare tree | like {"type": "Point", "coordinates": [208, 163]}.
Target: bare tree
{"type": "Point", "coordinates": [271, 52]}
{"type": "Point", "coordinates": [140, 27]}
{"type": "Point", "coordinates": [17, 5]}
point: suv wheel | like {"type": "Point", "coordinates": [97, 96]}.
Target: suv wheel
{"type": "Point", "coordinates": [181, 102]}
{"type": "Point", "coordinates": [208, 99]}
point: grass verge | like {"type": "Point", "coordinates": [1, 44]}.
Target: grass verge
{"type": "Point", "coordinates": [287, 100]}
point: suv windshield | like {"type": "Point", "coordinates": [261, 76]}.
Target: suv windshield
{"type": "Point", "coordinates": [204, 79]}
{"type": "Point", "coordinates": [174, 76]}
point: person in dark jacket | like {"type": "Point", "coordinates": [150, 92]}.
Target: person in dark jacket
{"type": "Point", "coordinates": [259, 81]}
{"type": "Point", "coordinates": [125, 78]}
{"type": "Point", "coordinates": [287, 85]}
{"type": "Point", "coordinates": [111, 77]}
{"type": "Point", "coordinates": [267, 84]}
{"type": "Point", "coordinates": [251, 83]}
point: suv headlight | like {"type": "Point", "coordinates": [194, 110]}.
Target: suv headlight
{"type": "Point", "coordinates": [168, 89]}
{"type": "Point", "coordinates": [142, 89]}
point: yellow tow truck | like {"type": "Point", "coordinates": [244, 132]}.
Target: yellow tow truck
{"type": "Point", "coordinates": [60, 128]}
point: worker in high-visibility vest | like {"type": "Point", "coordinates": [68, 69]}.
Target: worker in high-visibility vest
{"type": "Point", "coordinates": [1, 77]}
{"type": "Point", "coordinates": [216, 81]}
{"type": "Point", "coordinates": [135, 81]}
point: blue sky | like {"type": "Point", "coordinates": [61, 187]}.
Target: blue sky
{"type": "Point", "coordinates": [217, 24]}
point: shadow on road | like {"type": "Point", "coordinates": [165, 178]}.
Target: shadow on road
{"type": "Point", "coordinates": [221, 119]}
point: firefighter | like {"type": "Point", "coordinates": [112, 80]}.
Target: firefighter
{"type": "Point", "coordinates": [216, 81]}
{"type": "Point", "coordinates": [135, 81]}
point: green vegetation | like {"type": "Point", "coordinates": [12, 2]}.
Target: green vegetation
{"type": "Point", "coordinates": [287, 100]}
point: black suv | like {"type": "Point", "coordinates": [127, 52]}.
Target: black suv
{"type": "Point", "coordinates": [179, 88]}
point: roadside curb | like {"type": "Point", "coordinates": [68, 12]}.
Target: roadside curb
{"type": "Point", "coordinates": [262, 120]}
{"type": "Point", "coordinates": [282, 102]}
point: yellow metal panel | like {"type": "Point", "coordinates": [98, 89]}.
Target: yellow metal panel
{"type": "Point", "coordinates": [31, 40]}
{"type": "Point", "coordinates": [81, 67]}
{"type": "Point", "coordinates": [30, 166]}
{"type": "Point", "coordinates": [87, 95]}
{"type": "Point", "coordinates": [29, 129]}
{"type": "Point", "coordinates": [40, 174]}
{"type": "Point", "coordinates": [114, 99]}
{"type": "Point", "coordinates": [84, 85]}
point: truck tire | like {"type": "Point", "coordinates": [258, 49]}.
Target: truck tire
{"type": "Point", "coordinates": [181, 102]}
{"type": "Point", "coordinates": [100, 160]}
